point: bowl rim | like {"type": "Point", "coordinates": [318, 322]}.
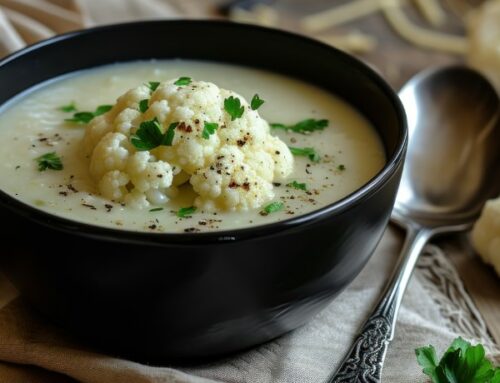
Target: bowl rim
{"type": "Point", "coordinates": [151, 238]}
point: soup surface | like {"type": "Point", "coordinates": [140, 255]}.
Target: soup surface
{"type": "Point", "coordinates": [31, 125]}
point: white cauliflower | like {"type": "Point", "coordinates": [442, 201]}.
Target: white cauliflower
{"type": "Point", "coordinates": [230, 183]}
{"type": "Point", "coordinates": [231, 166]}
{"type": "Point", "coordinates": [486, 234]}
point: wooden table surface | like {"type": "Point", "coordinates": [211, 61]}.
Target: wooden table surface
{"type": "Point", "coordinates": [398, 61]}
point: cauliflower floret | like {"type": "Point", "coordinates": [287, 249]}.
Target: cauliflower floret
{"type": "Point", "coordinates": [111, 153]}
{"type": "Point", "coordinates": [97, 128]}
{"type": "Point", "coordinates": [146, 173]}
{"type": "Point", "coordinates": [231, 166]}
{"type": "Point", "coordinates": [486, 234]}
{"type": "Point", "coordinates": [130, 100]}
{"type": "Point", "coordinates": [230, 184]}
{"type": "Point", "coordinates": [113, 185]}
{"type": "Point", "coordinates": [137, 200]}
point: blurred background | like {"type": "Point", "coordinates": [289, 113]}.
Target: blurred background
{"type": "Point", "coordinates": [397, 37]}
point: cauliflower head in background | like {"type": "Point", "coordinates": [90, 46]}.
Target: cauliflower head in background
{"type": "Point", "coordinates": [486, 234]}
{"type": "Point", "coordinates": [158, 137]}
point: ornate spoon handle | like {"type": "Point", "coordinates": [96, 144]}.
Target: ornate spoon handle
{"type": "Point", "coordinates": [365, 359]}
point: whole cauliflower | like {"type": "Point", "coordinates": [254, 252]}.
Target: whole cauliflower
{"type": "Point", "coordinates": [230, 162]}
{"type": "Point", "coordinates": [486, 234]}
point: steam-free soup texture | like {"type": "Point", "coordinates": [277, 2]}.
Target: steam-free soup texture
{"type": "Point", "coordinates": [349, 151]}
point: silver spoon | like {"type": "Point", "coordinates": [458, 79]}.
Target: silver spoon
{"type": "Point", "coordinates": [452, 168]}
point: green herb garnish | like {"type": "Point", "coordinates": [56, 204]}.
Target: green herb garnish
{"type": "Point", "coordinates": [183, 81]}
{"type": "Point", "coordinates": [101, 109]}
{"type": "Point", "coordinates": [186, 211]}
{"type": "Point", "coordinates": [86, 117]}
{"type": "Point", "coordinates": [461, 363]}
{"type": "Point", "coordinates": [49, 161]}
{"type": "Point", "coordinates": [256, 102]}
{"type": "Point", "coordinates": [273, 207]}
{"type": "Point", "coordinates": [71, 107]}
{"type": "Point", "coordinates": [152, 85]}
{"type": "Point", "coordinates": [155, 209]}
{"type": "Point", "coordinates": [341, 167]}
{"type": "Point", "coordinates": [304, 126]}
{"type": "Point", "coordinates": [208, 129]}
{"type": "Point", "coordinates": [143, 105]}
{"type": "Point", "coordinates": [309, 152]}
{"type": "Point", "coordinates": [297, 185]}
{"type": "Point", "coordinates": [169, 135]}
{"type": "Point", "coordinates": [232, 105]}
{"type": "Point", "coordinates": [150, 136]}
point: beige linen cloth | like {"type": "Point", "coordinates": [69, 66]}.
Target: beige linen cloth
{"type": "Point", "coordinates": [436, 307]}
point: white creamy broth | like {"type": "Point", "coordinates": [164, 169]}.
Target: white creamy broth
{"type": "Point", "coordinates": [32, 125]}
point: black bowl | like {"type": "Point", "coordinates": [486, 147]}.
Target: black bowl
{"type": "Point", "coordinates": [160, 296]}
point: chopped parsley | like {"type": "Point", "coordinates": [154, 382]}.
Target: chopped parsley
{"type": "Point", "coordinates": [232, 105]}
{"type": "Point", "coordinates": [297, 185]}
{"type": "Point", "coordinates": [341, 167]}
{"type": "Point", "coordinates": [155, 209]}
{"type": "Point", "coordinates": [304, 126]}
{"type": "Point", "coordinates": [273, 207]}
{"type": "Point", "coordinates": [208, 129]}
{"type": "Point", "coordinates": [101, 109]}
{"type": "Point", "coordinates": [86, 117]}
{"type": "Point", "coordinates": [49, 161]}
{"type": "Point", "coordinates": [153, 85]}
{"type": "Point", "coordinates": [183, 81]}
{"type": "Point", "coordinates": [71, 107]}
{"type": "Point", "coordinates": [143, 105]}
{"type": "Point", "coordinates": [461, 363]}
{"type": "Point", "coordinates": [169, 135]}
{"type": "Point", "coordinates": [309, 152]}
{"type": "Point", "coordinates": [150, 136]}
{"type": "Point", "coordinates": [185, 212]}
{"type": "Point", "coordinates": [256, 102]}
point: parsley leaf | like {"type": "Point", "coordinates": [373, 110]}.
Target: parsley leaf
{"type": "Point", "coordinates": [152, 85]}
{"type": "Point", "coordinates": [256, 102]}
{"type": "Point", "coordinates": [341, 167]}
{"type": "Point", "coordinates": [208, 129]}
{"type": "Point", "coordinates": [461, 363]}
{"type": "Point", "coordinates": [304, 126]}
{"type": "Point", "coordinates": [496, 377]}
{"type": "Point", "coordinates": [169, 135]}
{"type": "Point", "coordinates": [185, 212]}
{"type": "Point", "coordinates": [150, 136]}
{"type": "Point", "coordinates": [86, 117]}
{"type": "Point", "coordinates": [143, 105]}
{"type": "Point", "coordinates": [296, 185]}
{"type": "Point", "coordinates": [309, 152]}
{"type": "Point", "coordinates": [101, 109]}
{"type": "Point", "coordinates": [71, 107]}
{"type": "Point", "coordinates": [426, 357]}
{"type": "Point", "coordinates": [232, 105]}
{"type": "Point", "coordinates": [273, 207]}
{"type": "Point", "coordinates": [155, 209]}
{"type": "Point", "coordinates": [49, 161]}
{"type": "Point", "coordinates": [81, 118]}
{"type": "Point", "coordinates": [183, 81]}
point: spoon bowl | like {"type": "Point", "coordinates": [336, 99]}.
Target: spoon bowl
{"type": "Point", "coordinates": [453, 156]}
{"type": "Point", "coordinates": [452, 168]}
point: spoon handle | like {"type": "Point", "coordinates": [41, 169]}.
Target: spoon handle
{"type": "Point", "coordinates": [365, 359]}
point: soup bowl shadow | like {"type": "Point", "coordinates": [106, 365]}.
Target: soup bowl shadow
{"type": "Point", "coordinates": [153, 296]}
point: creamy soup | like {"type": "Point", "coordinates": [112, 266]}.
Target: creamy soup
{"type": "Point", "coordinates": [349, 151]}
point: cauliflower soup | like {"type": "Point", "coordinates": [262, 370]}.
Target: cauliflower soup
{"type": "Point", "coordinates": [183, 146]}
